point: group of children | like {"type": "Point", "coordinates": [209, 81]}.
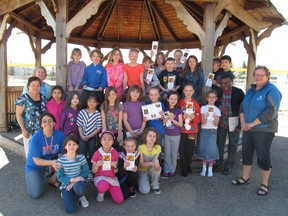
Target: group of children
{"type": "Point", "coordinates": [129, 151]}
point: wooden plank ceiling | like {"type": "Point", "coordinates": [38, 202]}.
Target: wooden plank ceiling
{"type": "Point", "coordinates": [135, 23]}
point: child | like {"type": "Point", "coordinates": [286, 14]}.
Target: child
{"type": "Point", "coordinates": [149, 168]}
{"type": "Point", "coordinates": [69, 115]}
{"type": "Point", "coordinates": [105, 165]}
{"type": "Point", "coordinates": [147, 62]}
{"type": "Point", "coordinates": [189, 132]}
{"type": "Point", "coordinates": [72, 174]}
{"type": "Point", "coordinates": [179, 66]}
{"type": "Point", "coordinates": [115, 71]}
{"type": "Point", "coordinates": [89, 125]}
{"type": "Point", "coordinates": [56, 104]}
{"type": "Point", "coordinates": [132, 116]}
{"type": "Point", "coordinates": [207, 150]}
{"type": "Point", "coordinates": [75, 71]}
{"type": "Point", "coordinates": [225, 68]}
{"type": "Point", "coordinates": [216, 69]}
{"type": "Point", "coordinates": [172, 134]}
{"type": "Point", "coordinates": [112, 115]}
{"type": "Point", "coordinates": [95, 78]}
{"type": "Point", "coordinates": [127, 173]}
{"type": "Point", "coordinates": [159, 65]}
{"type": "Point", "coordinates": [193, 74]}
{"type": "Point", "coordinates": [133, 72]}
{"type": "Point", "coordinates": [169, 79]}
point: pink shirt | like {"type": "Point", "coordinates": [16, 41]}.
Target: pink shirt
{"type": "Point", "coordinates": [98, 156]}
{"type": "Point", "coordinates": [56, 110]}
{"type": "Point", "coordinates": [115, 75]}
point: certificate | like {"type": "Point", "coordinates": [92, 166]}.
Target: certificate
{"type": "Point", "coordinates": [106, 158]}
{"type": "Point", "coordinates": [210, 79]}
{"type": "Point", "coordinates": [130, 157]}
{"type": "Point", "coordinates": [150, 74]}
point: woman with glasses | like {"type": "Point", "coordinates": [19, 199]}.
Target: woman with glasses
{"type": "Point", "coordinates": [45, 147]}
{"type": "Point", "coordinates": [259, 122]}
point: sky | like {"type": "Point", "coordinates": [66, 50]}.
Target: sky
{"type": "Point", "coordinates": [271, 52]}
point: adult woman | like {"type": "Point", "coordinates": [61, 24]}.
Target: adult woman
{"type": "Point", "coordinates": [45, 88]}
{"type": "Point", "coordinates": [45, 147]}
{"type": "Point", "coordinates": [193, 74]}
{"type": "Point", "coordinates": [29, 106]}
{"type": "Point", "coordinates": [258, 115]}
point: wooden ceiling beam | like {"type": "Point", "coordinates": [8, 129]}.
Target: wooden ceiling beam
{"type": "Point", "coordinates": [45, 12]}
{"type": "Point", "coordinates": [81, 17]}
{"type": "Point", "coordinates": [102, 8]}
{"type": "Point", "coordinates": [192, 8]}
{"type": "Point", "coordinates": [272, 20]}
{"type": "Point", "coordinates": [24, 22]}
{"type": "Point", "coordinates": [157, 10]}
{"type": "Point", "coordinates": [152, 21]}
{"type": "Point", "coordinates": [3, 25]}
{"type": "Point", "coordinates": [239, 12]}
{"type": "Point", "coordinates": [220, 7]}
{"type": "Point", "coordinates": [141, 22]}
{"type": "Point", "coordinates": [106, 21]}
{"type": "Point", "coordinates": [47, 46]}
{"type": "Point", "coordinates": [221, 26]}
{"type": "Point", "coordinates": [266, 33]}
{"type": "Point", "coordinates": [251, 5]}
{"type": "Point", "coordinates": [192, 25]}
{"type": "Point", "coordinates": [8, 5]}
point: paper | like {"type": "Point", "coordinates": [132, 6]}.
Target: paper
{"type": "Point", "coordinates": [151, 111]}
{"type": "Point", "coordinates": [150, 74]}
{"type": "Point", "coordinates": [89, 89]}
{"type": "Point", "coordinates": [189, 108]}
{"type": "Point", "coordinates": [166, 116]}
{"type": "Point", "coordinates": [130, 157]}
{"type": "Point", "coordinates": [171, 81]}
{"type": "Point", "coordinates": [233, 122]}
{"type": "Point", "coordinates": [185, 55]}
{"type": "Point", "coordinates": [128, 134]}
{"type": "Point", "coordinates": [154, 50]}
{"type": "Point", "coordinates": [106, 158]}
{"type": "Point", "coordinates": [210, 80]}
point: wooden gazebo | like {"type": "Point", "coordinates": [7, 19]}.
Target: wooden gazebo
{"type": "Point", "coordinates": [209, 25]}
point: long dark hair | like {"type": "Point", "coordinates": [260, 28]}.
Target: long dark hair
{"type": "Point", "coordinates": [187, 67]}
{"type": "Point", "coordinates": [145, 133]}
{"type": "Point", "coordinates": [70, 96]}
{"type": "Point", "coordinates": [106, 101]}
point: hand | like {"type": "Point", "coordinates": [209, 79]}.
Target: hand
{"type": "Point", "coordinates": [70, 186]}
{"type": "Point", "coordinates": [222, 108]}
{"type": "Point", "coordinates": [146, 81]}
{"type": "Point", "coordinates": [55, 165]}
{"type": "Point", "coordinates": [85, 86]}
{"type": "Point", "coordinates": [76, 179]}
{"type": "Point", "coordinates": [99, 163]}
{"type": "Point", "coordinates": [119, 138]}
{"type": "Point", "coordinates": [134, 169]}
{"type": "Point", "coordinates": [126, 164]}
{"type": "Point", "coordinates": [191, 116]}
{"type": "Point", "coordinates": [70, 88]}
{"type": "Point", "coordinates": [25, 133]}
{"type": "Point", "coordinates": [114, 164]}
{"type": "Point", "coordinates": [157, 165]}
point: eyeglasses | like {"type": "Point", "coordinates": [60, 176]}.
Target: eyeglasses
{"type": "Point", "coordinates": [259, 75]}
{"type": "Point", "coordinates": [226, 83]}
{"type": "Point", "coordinates": [48, 121]}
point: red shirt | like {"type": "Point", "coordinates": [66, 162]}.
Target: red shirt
{"type": "Point", "coordinates": [133, 74]}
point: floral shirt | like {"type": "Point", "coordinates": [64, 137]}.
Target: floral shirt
{"type": "Point", "coordinates": [33, 110]}
{"type": "Point", "coordinates": [112, 117]}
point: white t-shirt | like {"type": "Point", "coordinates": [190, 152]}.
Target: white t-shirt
{"type": "Point", "coordinates": [210, 119]}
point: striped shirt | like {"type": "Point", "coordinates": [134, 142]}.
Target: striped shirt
{"type": "Point", "coordinates": [71, 169]}
{"type": "Point", "coordinates": [89, 121]}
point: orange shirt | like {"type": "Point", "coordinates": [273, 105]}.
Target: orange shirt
{"type": "Point", "coordinates": [133, 74]}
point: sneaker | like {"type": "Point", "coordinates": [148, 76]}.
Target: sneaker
{"type": "Point", "coordinates": [172, 174]}
{"type": "Point", "coordinates": [83, 202]}
{"type": "Point", "coordinates": [165, 175]}
{"type": "Point", "coordinates": [226, 171]}
{"type": "Point", "coordinates": [132, 193]}
{"type": "Point", "coordinates": [90, 176]}
{"type": "Point", "coordinates": [61, 195]}
{"type": "Point", "coordinates": [100, 197]}
{"type": "Point", "coordinates": [157, 191]}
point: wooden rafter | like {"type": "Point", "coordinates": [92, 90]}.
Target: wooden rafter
{"type": "Point", "coordinates": [118, 20]}
{"type": "Point", "coordinates": [106, 21]}
{"type": "Point", "coordinates": [24, 22]}
{"type": "Point", "coordinates": [157, 10]}
{"type": "Point", "coordinates": [252, 4]}
{"type": "Point", "coordinates": [221, 26]}
{"type": "Point", "coordinates": [193, 11]}
{"type": "Point", "coordinates": [45, 12]}
{"type": "Point", "coordinates": [272, 20]}
{"type": "Point", "coordinates": [32, 43]}
{"type": "Point", "coordinates": [220, 7]}
{"type": "Point", "coordinates": [8, 6]}
{"type": "Point", "coordinates": [266, 33]}
{"type": "Point", "coordinates": [47, 46]}
{"type": "Point", "coordinates": [3, 25]}
{"type": "Point", "coordinates": [141, 21]}
{"type": "Point", "coordinates": [152, 21]}
{"type": "Point", "coordinates": [81, 17]}
{"type": "Point", "coordinates": [102, 9]}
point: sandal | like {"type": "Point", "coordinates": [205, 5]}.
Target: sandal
{"type": "Point", "coordinates": [241, 181]}
{"type": "Point", "coordinates": [55, 184]}
{"type": "Point", "coordinates": [262, 190]}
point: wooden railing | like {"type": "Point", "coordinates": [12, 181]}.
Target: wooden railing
{"type": "Point", "coordinates": [12, 95]}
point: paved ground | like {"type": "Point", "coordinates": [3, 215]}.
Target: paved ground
{"type": "Point", "coordinates": [194, 195]}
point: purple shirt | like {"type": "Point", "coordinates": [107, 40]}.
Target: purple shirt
{"type": "Point", "coordinates": [68, 121]}
{"type": "Point", "coordinates": [134, 113]}
{"type": "Point", "coordinates": [75, 73]}
{"type": "Point", "coordinates": [174, 130]}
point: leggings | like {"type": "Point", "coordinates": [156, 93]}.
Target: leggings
{"type": "Point", "coordinates": [115, 191]}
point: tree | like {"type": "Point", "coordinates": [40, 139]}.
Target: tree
{"type": "Point", "coordinates": [11, 71]}
{"type": "Point", "coordinates": [244, 65]}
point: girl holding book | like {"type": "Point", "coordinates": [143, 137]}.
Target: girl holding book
{"type": "Point", "coordinates": [208, 150]}
{"type": "Point", "coordinates": [105, 166]}
{"type": "Point", "coordinates": [191, 118]}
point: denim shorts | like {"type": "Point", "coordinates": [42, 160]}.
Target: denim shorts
{"type": "Point", "coordinates": [261, 142]}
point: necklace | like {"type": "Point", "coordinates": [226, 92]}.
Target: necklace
{"type": "Point", "coordinates": [49, 147]}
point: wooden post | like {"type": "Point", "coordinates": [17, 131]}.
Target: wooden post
{"type": "Point", "coordinates": [3, 84]}
{"type": "Point", "coordinates": [208, 45]}
{"type": "Point", "coordinates": [38, 49]}
{"type": "Point", "coordinates": [252, 52]}
{"type": "Point", "coordinates": [61, 43]}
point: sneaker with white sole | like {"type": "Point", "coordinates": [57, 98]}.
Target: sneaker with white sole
{"type": "Point", "coordinates": [83, 202]}
{"type": "Point", "coordinates": [157, 191]}
{"type": "Point", "coordinates": [90, 176]}
{"type": "Point", "coordinates": [100, 197]}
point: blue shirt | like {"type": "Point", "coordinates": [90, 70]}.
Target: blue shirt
{"type": "Point", "coordinates": [95, 76]}
{"type": "Point", "coordinates": [44, 149]}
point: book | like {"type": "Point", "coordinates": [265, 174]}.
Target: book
{"type": "Point", "coordinates": [210, 79]}
{"type": "Point", "coordinates": [185, 55]}
{"type": "Point", "coordinates": [152, 111]}
{"type": "Point", "coordinates": [150, 74]}
{"type": "Point", "coordinates": [169, 122]}
{"type": "Point", "coordinates": [154, 50]}
{"type": "Point", "coordinates": [130, 157]}
{"type": "Point", "coordinates": [106, 158]}
{"type": "Point", "coordinates": [233, 122]}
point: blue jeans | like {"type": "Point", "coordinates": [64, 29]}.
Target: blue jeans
{"type": "Point", "coordinates": [35, 183]}
{"type": "Point", "coordinates": [88, 146]}
{"type": "Point", "coordinates": [261, 142]}
{"type": "Point", "coordinates": [70, 198]}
